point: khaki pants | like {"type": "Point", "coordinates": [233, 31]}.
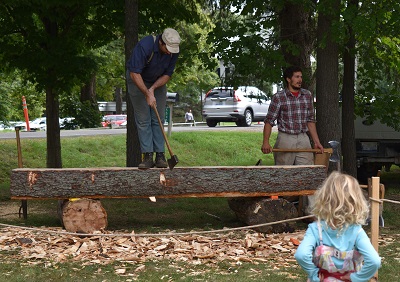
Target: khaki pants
{"type": "Point", "coordinates": [295, 141]}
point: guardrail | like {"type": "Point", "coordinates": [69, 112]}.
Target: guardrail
{"type": "Point", "coordinates": [195, 123]}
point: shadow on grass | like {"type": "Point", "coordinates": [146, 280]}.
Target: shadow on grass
{"type": "Point", "coordinates": [170, 214]}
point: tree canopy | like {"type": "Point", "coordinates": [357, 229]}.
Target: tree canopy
{"type": "Point", "coordinates": [53, 49]}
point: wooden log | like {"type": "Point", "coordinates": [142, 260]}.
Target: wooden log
{"type": "Point", "coordinates": [254, 211]}
{"type": "Point", "coordinates": [248, 181]}
{"type": "Point", "coordinates": [84, 216]}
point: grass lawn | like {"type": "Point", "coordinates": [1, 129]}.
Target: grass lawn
{"type": "Point", "coordinates": [164, 216]}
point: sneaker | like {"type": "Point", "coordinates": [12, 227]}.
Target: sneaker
{"type": "Point", "coordinates": [147, 161]}
{"type": "Point", "coordinates": [160, 160]}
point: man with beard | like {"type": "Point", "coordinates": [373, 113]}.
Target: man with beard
{"type": "Point", "coordinates": [292, 109]}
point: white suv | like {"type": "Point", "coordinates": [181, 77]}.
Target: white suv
{"type": "Point", "coordinates": [243, 105]}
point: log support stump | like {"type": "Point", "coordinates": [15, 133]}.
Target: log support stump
{"type": "Point", "coordinates": [254, 211]}
{"type": "Point", "coordinates": [82, 215]}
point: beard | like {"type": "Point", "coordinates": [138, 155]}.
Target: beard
{"type": "Point", "coordinates": [295, 87]}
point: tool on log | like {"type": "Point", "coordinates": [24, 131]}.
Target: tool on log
{"type": "Point", "coordinates": [333, 151]}
{"type": "Point", "coordinates": [174, 159]}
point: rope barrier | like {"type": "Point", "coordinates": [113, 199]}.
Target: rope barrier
{"type": "Point", "coordinates": [375, 200]}
{"type": "Point", "coordinates": [173, 234]}
{"type": "Point", "coordinates": [152, 234]}
{"type": "Point", "coordinates": [391, 201]}
{"type": "Point", "coordinates": [384, 200]}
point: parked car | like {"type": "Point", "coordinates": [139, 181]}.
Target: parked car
{"type": "Point", "coordinates": [38, 124]}
{"type": "Point", "coordinates": [242, 106]}
{"type": "Point", "coordinates": [12, 124]}
{"type": "Point", "coordinates": [20, 124]}
{"type": "Point", "coordinates": [68, 123]}
{"type": "Point", "coordinates": [113, 120]}
{"type": "Point", "coordinates": [41, 124]}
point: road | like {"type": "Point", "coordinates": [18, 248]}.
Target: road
{"type": "Point", "coordinates": [107, 131]}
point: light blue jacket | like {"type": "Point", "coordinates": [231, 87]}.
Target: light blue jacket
{"type": "Point", "coordinates": [351, 238]}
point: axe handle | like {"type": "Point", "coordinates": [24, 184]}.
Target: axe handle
{"type": "Point", "coordinates": [162, 131]}
{"type": "Point", "coordinates": [327, 150]}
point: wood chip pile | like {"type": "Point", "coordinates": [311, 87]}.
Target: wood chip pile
{"type": "Point", "coordinates": [239, 246]}
{"type": "Point", "coordinates": [275, 250]}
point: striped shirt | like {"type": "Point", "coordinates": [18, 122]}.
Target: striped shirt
{"type": "Point", "coordinates": [290, 112]}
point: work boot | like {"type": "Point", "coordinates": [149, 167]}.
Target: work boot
{"type": "Point", "coordinates": [160, 160]}
{"type": "Point", "coordinates": [147, 161]}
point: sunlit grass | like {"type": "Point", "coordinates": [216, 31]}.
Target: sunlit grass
{"type": "Point", "coordinates": [204, 148]}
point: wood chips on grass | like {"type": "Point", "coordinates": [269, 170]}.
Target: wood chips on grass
{"type": "Point", "coordinates": [274, 250]}
{"type": "Point", "coordinates": [245, 246]}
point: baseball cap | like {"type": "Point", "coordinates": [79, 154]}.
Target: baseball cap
{"type": "Point", "coordinates": [172, 39]}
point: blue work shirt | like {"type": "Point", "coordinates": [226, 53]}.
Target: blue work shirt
{"type": "Point", "coordinates": [159, 65]}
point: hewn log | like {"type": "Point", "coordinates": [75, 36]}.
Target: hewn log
{"type": "Point", "coordinates": [254, 211]}
{"type": "Point", "coordinates": [84, 216]}
{"type": "Point", "coordinates": [249, 181]}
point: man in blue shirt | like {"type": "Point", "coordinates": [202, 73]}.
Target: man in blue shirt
{"type": "Point", "coordinates": [150, 67]}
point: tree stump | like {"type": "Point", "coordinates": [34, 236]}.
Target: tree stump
{"type": "Point", "coordinates": [60, 206]}
{"type": "Point", "coordinates": [84, 216]}
{"type": "Point", "coordinates": [253, 211]}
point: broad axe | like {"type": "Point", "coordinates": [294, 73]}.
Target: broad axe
{"type": "Point", "coordinates": [335, 157]}
{"type": "Point", "coordinates": [333, 154]}
{"type": "Point", "coordinates": [333, 151]}
{"type": "Point", "coordinates": [174, 158]}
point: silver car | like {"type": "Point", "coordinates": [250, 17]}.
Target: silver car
{"type": "Point", "coordinates": [243, 105]}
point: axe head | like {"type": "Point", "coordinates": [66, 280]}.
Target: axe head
{"type": "Point", "coordinates": [172, 161]}
{"type": "Point", "coordinates": [335, 157]}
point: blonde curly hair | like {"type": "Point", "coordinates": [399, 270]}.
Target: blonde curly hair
{"type": "Point", "coordinates": [340, 202]}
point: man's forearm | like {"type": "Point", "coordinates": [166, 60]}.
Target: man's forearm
{"type": "Point", "coordinates": [313, 131]}
{"type": "Point", "coordinates": [138, 80]}
{"type": "Point", "coordinates": [266, 147]}
{"type": "Point", "coordinates": [162, 80]}
{"type": "Point", "coordinates": [314, 135]}
{"type": "Point", "coordinates": [267, 132]}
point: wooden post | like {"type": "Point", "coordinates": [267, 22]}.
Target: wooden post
{"type": "Point", "coordinates": [24, 203]}
{"type": "Point", "coordinates": [375, 215]}
{"type": "Point", "coordinates": [170, 106]}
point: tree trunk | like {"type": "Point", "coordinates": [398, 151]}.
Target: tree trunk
{"type": "Point", "coordinates": [327, 84]}
{"type": "Point", "coordinates": [296, 31]}
{"type": "Point", "coordinates": [90, 107]}
{"type": "Point", "coordinates": [88, 91]}
{"type": "Point", "coordinates": [348, 131]}
{"type": "Point", "coordinates": [118, 100]}
{"type": "Point", "coordinates": [53, 139]}
{"type": "Point", "coordinates": [133, 153]}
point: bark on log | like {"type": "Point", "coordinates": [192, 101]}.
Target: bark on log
{"type": "Point", "coordinates": [254, 211]}
{"type": "Point", "coordinates": [249, 181]}
{"type": "Point", "coordinates": [84, 216]}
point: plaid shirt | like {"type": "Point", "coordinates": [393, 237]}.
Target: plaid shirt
{"type": "Point", "coordinates": [291, 113]}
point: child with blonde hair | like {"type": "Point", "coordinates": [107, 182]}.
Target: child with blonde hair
{"type": "Point", "coordinates": [335, 247]}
